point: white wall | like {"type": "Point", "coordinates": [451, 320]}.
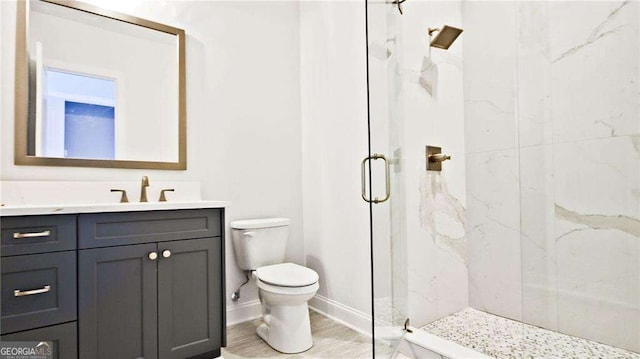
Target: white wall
{"type": "Point", "coordinates": [252, 80]}
{"type": "Point", "coordinates": [243, 108]}
{"type": "Point", "coordinates": [334, 132]}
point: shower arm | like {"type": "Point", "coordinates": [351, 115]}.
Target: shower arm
{"type": "Point", "coordinates": [399, 3]}
{"type": "Point", "coordinates": [431, 30]}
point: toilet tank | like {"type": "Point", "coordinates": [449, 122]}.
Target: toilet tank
{"type": "Point", "coordinates": [259, 242]}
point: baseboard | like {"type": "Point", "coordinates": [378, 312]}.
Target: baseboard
{"type": "Point", "coordinates": [347, 316]}
{"type": "Point", "coordinates": [243, 312]}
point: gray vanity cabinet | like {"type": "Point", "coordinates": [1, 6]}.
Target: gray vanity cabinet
{"type": "Point", "coordinates": [132, 306]}
{"type": "Point", "coordinates": [150, 284]}
{"type": "Point", "coordinates": [138, 285]}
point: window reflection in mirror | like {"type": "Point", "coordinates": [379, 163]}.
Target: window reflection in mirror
{"type": "Point", "coordinates": [77, 118]}
{"type": "Point", "coordinates": [88, 131]}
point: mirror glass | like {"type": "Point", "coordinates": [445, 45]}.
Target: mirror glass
{"type": "Point", "coordinates": [103, 86]}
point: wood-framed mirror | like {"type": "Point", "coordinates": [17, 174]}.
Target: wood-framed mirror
{"type": "Point", "coordinates": [98, 88]}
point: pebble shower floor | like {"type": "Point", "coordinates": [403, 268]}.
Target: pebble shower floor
{"type": "Point", "coordinates": [504, 338]}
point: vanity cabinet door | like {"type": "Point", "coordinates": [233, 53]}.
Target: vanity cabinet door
{"type": "Point", "coordinates": [190, 297]}
{"type": "Point", "coordinates": [63, 336]}
{"type": "Point", "coordinates": [38, 290]}
{"type": "Point", "coordinates": [37, 234]}
{"type": "Point", "coordinates": [117, 300]}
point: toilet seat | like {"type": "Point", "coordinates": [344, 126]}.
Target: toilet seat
{"type": "Point", "coordinates": [287, 275]}
{"type": "Point", "coordinates": [289, 291]}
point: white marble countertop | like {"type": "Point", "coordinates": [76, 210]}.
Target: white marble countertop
{"type": "Point", "coordinates": [31, 210]}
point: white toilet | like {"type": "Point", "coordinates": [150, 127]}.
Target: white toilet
{"type": "Point", "coordinates": [284, 288]}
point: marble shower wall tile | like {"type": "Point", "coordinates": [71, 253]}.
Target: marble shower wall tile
{"type": "Point", "coordinates": [533, 74]}
{"type": "Point", "coordinates": [442, 215]}
{"type": "Point", "coordinates": [434, 203]}
{"type": "Point", "coordinates": [598, 239]}
{"type": "Point", "coordinates": [489, 75]}
{"type": "Point", "coordinates": [491, 140]}
{"type": "Point", "coordinates": [599, 177]}
{"type": "Point", "coordinates": [571, 138]}
{"type": "Point", "coordinates": [594, 69]}
{"type": "Point", "coordinates": [453, 287]}
{"type": "Point", "coordinates": [538, 236]}
{"type": "Point", "coordinates": [436, 257]}
{"type": "Point", "coordinates": [443, 218]}
{"type": "Point", "coordinates": [493, 230]}
{"type": "Point", "coordinates": [423, 276]}
{"type": "Point", "coordinates": [598, 285]}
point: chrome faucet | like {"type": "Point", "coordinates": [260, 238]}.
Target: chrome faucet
{"type": "Point", "coordinates": [143, 189]}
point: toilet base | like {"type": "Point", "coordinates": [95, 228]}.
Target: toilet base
{"type": "Point", "coordinates": [287, 329]}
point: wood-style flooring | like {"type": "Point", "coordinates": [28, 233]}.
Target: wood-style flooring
{"type": "Point", "coordinates": [330, 340]}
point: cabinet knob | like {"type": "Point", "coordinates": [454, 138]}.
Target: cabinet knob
{"type": "Point", "coordinates": [153, 256]}
{"type": "Point", "coordinates": [166, 253]}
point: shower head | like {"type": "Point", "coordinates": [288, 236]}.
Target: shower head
{"type": "Point", "coordinates": [445, 37]}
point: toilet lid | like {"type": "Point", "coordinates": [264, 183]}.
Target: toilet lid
{"type": "Point", "coordinates": [287, 275]}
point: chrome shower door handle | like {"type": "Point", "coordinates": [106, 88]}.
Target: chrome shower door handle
{"type": "Point", "coordinates": [376, 200]}
{"type": "Point", "coordinates": [387, 179]}
{"type": "Point", "coordinates": [363, 176]}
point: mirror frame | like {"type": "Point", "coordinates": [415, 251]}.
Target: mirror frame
{"type": "Point", "coordinates": [21, 101]}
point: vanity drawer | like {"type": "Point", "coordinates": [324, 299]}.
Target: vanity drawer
{"type": "Point", "coordinates": [123, 228]}
{"type": "Point", "coordinates": [38, 290]}
{"type": "Point", "coordinates": [63, 336]}
{"type": "Point", "coordinates": [37, 234]}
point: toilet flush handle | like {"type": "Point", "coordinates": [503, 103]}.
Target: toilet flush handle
{"type": "Point", "coordinates": [249, 234]}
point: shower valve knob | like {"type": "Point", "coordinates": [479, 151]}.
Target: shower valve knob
{"type": "Point", "coordinates": [439, 157]}
{"type": "Point", "coordinates": [435, 157]}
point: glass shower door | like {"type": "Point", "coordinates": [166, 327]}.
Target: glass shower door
{"type": "Point", "coordinates": [419, 249]}
{"type": "Point", "coordinates": [384, 175]}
